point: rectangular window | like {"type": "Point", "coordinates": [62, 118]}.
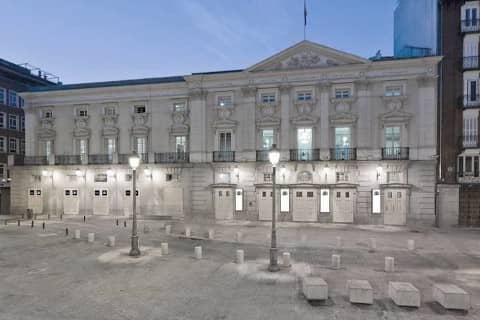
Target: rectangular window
{"type": "Point", "coordinates": [140, 145]}
{"type": "Point", "coordinates": [109, 111]}
{"type": "Point", "coordinates": [83, 147]}
{"type": "Point", "coordinates": [22, 123]}
{"type": "Point", "coordinates": [3, 171]}
{"type": "Point", "coordinates": [284, 200]}
{"type": "Point", "coordinates": [140, 109]}
{"type": "Point", "coordinates": [342, 137]}
{"type": "Point", "coordinates": [12, 98]}
{"type": "Point", "coordinates": [3, 117]}
{"type": "Point", "coordinates": [12, 121]}
{"type": "Point", "coordinates": [342, 93]}
{"type": "Point", "coordinates": [225, 142]}
{"type": "Point", "coordinates": [468, 164]}
{"type": "Point", "coordinates": [341, 176]}
{"type": "Point", "coordinates": [393, 177]}
{"type": "Point", "coordinates": [475, 166]}
{"type": "Point", "coordinates": [392, 139]}
{"type": "Point", "coordinates": [81, 112]}
{"type": "Point", "coordinates": [179, 107]}
{"type": "Point", "coordinates": [181, 144]}
{"type": "Point", "coordinates": [304, 95]}
{"type": "Point", "coordinates": [267, 139]}
{"type": "Point", "coordinates": [472, 91]}
{"type": "Point", "coordinates": [110, 146]}
{"type": "Point", "coordinates": [268, 97]}
{"type": "Point", "coordinates": [299, 194]}
{"type": "Point", "coordinates": [267, 177]}
{"type": "Point", "coordinates": [3, 144]}
{"type": "Point", "coordinates": [223, 101]}
{"type": "Point", "coordinates": [393, 91]}
{"type": "Point", "coordinates": [460, 166]}
{"type": "Point", "coordinates": [47, 114]}
{"type": "Point", "coordinates": [12, 145]}
{"type": "Point", "coordinates": [2, 95]}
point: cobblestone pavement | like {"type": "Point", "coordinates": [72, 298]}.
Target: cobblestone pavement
{"type": "Point", "coordinates": [47, 275]}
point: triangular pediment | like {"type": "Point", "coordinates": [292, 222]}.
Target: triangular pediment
{"type": "Point", "coordinates": [306, 55]}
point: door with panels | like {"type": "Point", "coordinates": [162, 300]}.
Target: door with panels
{"type": "Point", "coordinates": [305, 205]}
{"type": "Point", "coordinates": [101, 201]}
{"type": "Point", "coordinates": [35, 200]}
{"type": "Point", "coordinates": [71, 201]}
{"type": "Point", "coordinates": [264, 204]}
{"type": "Point", "coordinates": [395, 206]}
{"type": "Point", "coordinates": [223, 201]}
{"type": "Point", "coordinates": [128, 202]}
{"type": "Point", "coordinates": [343, 205]}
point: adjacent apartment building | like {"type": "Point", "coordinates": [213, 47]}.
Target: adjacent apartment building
{"type": "Point", "coordinates": [357, 142]}
{"type": "Point", "coordinates": [13, 79]}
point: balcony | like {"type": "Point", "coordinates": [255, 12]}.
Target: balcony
{"type": "Point", "coordinates": [343, 154]}
{"type": "Point", "coordinates": [472, 25]}
{"type": "Point", "coordinates": [262, 155]}
{"type": "Point", "coordinates": [470, 141]}
{"type": "Point", "coordinates": [396, 153]}
{"type": "Point", "coordinates": [223, 156]}
{"type": "Point", "coordinates": [172, 157]}
{"type": "Point", "coordinates": [471, 63]}
{"type": "Point", "coordinates": [67, 160]}
{"type": "Point", "coordinates": [100, 158]}
{"type": "Point", "coordinates": [123, 158]}
{"type": "Point", "coordinates": [304, 154]}
{"type": "Point", "coordinates": [470, 101]}
{"type": "Point", "coordinates": [35, 161]}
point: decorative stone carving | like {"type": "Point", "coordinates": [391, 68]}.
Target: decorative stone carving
{"type": "Point", "coordinates": [343, 118]}
{"type": "Point", "coordinates": [304, 177]}
{"type": "Point", "coordinates": [394, 110]}
{"type": "Point", "coordinates": [305, 59]}
{"type": "Point", "coordinates": [81, 127]}
{"type": "Point", "coordinates": [180, 123]}
{"type": "Point", "coordinates": [140, 127]}
{"type": "Point", "coordinates": [223, 117]}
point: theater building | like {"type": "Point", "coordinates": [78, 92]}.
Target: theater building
{"type": "Point", "coordinates": [357, 141]}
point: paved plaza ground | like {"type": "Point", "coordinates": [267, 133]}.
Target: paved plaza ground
{"type": "Point", "coordinates": [47, 275]}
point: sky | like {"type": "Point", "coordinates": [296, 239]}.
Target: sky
{"type": "Point", "coordinates": [102, 40]}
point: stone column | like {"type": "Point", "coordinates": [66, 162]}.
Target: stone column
{"type": "Point", "coordinates": [285, 131]}
{"type": "Point", "coordinates": [198, 125]}
{"type": "Point", "coordinates": [324, 126]}
{"type": "Point", "coordinates": [362, 132]}
{"type": "Point", "coordinates": [247, 128]}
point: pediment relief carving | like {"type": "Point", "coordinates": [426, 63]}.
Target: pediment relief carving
{"type": "Point", "coordinates": [110, 120]}
{"type": "Point", "coordinates": [343, 118]}
{"type": "Point", "coordinates": [304, 119]}
{"type": "Point", "coordinates": [46, 133]}
{"type": "Point", "coordinates": [140, 130]}
{"type": "Point", "coordinates": [110, 131]}
{"type": "Point", "coordinates": [179, 129]}
{"type": "Point", "coordinates": [304, 107]}
{"type": "Point", "coordinates": [396, 116]}
{"type": "Point", "coordinates": [81, 132]}
{"type": "Point", "coordinates": [225, 124]}
{"type": "Point", "coordinates": [140, 119]}
{"type": "Point", "coordinates": [394, 103]}
{"type": "Point", "coordinates": [81, 122]}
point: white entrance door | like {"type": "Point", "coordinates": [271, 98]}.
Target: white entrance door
{"type": "Point", "coordinates": [223, 199]}
{"type": "Point", "coordinates": [128, 202]}
{"type": "Point", "coordinates": [35, 200]}
{"type": "Point", "coordinates": [71, 202]}
{"type": "Point", "coordinates": [101, 202]}
{"type": "Point", "coordinates": [305, 205]}
{"type": "Point", "coordinates": [343, 204]}
{"type": "Point", "coordinates": [264, 200]}
{"type": "Point", "coordinates": [395, 210]}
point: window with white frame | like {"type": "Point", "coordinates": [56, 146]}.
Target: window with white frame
{"type": "Point", "coordinates": [2, 95]}
{"type": "Point", "coordinates": [3, 120]}
{"type": "Point", "coordinates": [140, 145]}
{"type": "Point", "coordinates": [12, 98]}
{"type": "Point", "coordinates": [471, 17]}
{"type": "Point", "coordinates": [224, 101]}
{"type": "Point", "coordinates": [12, 145]}
{"type": "Point", "coordinates": [393, 91]}
{"type": "Point", "coordinates": [343, 93]}
{"type": "Point", "coordinates": [225, 141]}
{"type": "Point", "coordinates": [304, 95]}
{"type": "Point", "coordinates": [470, 131]}
{"type": "Point", "coordinates": [3, 144]}
{"type": "Point", "coordinates": [392, 138]}
{"type": "Point", "coordinates": [268, 97]}
{"type": "Point", "coordinates": [179, 106]}
{"type": "Point", "coordinates": [81, 112]}
{"type": "Point", "coordinates": [267, 139]}
{"type": "Point", "coordinates": [180, 144]}
{"type": "Point", "coordinates": [110, 145]}
{"type": "Point", "coordinates": [140, 109]}
{"type": "Point", "coordinates": [13, 122]}
{"type": "Point", "coordinates": [109, 111]}
{"type": "Point", "coordinates": [22, 123]}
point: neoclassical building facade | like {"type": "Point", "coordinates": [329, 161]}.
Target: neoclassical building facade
{"type": "Point", "coordinates": [357, 141]}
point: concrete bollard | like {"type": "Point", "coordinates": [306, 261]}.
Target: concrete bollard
{"type": "Point", "coordinates": [32, 223]}
{"type": "Point", "coordinates": [411, 245]}
{"type": "Point", "coordinates": [66, 232]}
{"type": "Point", "coordinates": [111, 241]}
{"type": "Point", "coordinates": [125, 223]}
{"type": "Point", "coordinates": [116, 222]}
{"type": "Point", "coordinates": [372, 245]}
{"type": "Point", "coordinates": [18, 223]}
{"type": "Point", "coordinates": [188, 232]}
{"type": "Point", "coordinates": [240, 257]}
{"type": "Point", "coordinates": [164, 246]}
{"type": "Point", "coordinates": [211, 234]}
{"type": "Point", "coordinates": [389, 264]}
{"type": "Point", "coordinates": [336, 261]}
{"type": "Point", "coordinates": [168, 229]}
{"type": "Point", "coordinates": [91, 237]}
{"type": "Point", "coordinates": [238, 236]}
{"type": "Point", "coordinates": [43, 225]}
{"type": "Point", "coordinates": [198, 252]}
{"type": "Point", "coordinates": [77, 235]}
{"type": "Point", "coordinates": [339, 243]}
{"type": "Point", "coordinates": [84, 219]}
{"type": "Point", "coordinates": [286, 259]}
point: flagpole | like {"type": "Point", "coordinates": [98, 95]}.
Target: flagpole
{"type": "Point", "coordinates": [304, 20]}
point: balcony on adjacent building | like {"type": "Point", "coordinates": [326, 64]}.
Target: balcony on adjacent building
{"type": "Point", "coordinates": [470, 101]}
{"type": "Point", "coordinates": [471, 25]}
{"type": "Point", "coordinates": [35, 160]}
{"type": "Point", "coordinates": [471, 63]}
{"type": "Point", "coordinates": [343, 154]}
{"type": "Point", "coordinates": [223, 156]}
{"type": "Point", "coordinates": [66, 160]}
{"type": "Point", "coordinates": [262, 155]}
{"type": "Point", "coordinates": [100, 158]}
{"type": "Point", "coordinates": [172, 157]}
{"type": "Point", "coordinates": [396, 153]}
{"type": "Point", "coordinates": [305, 155]}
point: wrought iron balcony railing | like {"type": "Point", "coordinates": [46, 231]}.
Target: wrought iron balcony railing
{"type": "Point", "coordinates": [172, 157]}
{"type": "Point", "coordinates": [471, 25]}
{"type": "Point", "coordinates": [35, 160]}
{"type": "Point", "coordinates": [304, 154]}
{"type": "Point", "coordinates": [123, 158]}
{"type": "Point", "coordinates": [67, 160]}
{"type": "Point", "coordinates": [470, 63]}
{"type": "Point", "coordinates": [396, 153]}
{"type": "Point", "coordinates": [223, 156]}
{"type": "Point", "coordinates": [262, 155]}
{"type": "Point", "coordinates": [100, 158]}
{"type": "Point", "coordinates": [343, 154]}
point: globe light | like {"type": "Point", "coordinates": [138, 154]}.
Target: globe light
{"type": "Point", "coordinates": [78, 173]}
{"type": "Point", "coordinates": [274, 155]}
{"type": "Point", "coordinates": [45, 173]}
{"type": "Point", "coordinates": [134, 161]}
{"type": "Point", "coordinates": [110, 173]}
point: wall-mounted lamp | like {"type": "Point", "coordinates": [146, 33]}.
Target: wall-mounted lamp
{"type": "Point", "coordinates": [79, 173]}
{"type": "Point", "coordinates": [147, 172]}
{"type": "Point", "coordinates": [379, 172]}
{"type": "Point", "coordinates": [236, 172]}
{"type": "Point", "coordinates": [110, 173]}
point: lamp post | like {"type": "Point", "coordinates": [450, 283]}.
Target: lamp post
{"type": "Point", "coordinates": [134, 162]}
{"type": "Point", "coordinates": [274, 158]}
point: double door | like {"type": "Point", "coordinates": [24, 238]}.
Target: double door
{"type": "Point", "coordinates": [71, 201]}
{"type": "Point", "coordinates": [305, 205]}
{"type": "Point", "coordinates": [35, 200]}
{"type": "Point", "coordinates": [223, 202]}
{"type": "Point", "coordinates": [343, 205]}
{"type": "Point", "coordinates": [395, 206]}
{"type": "Point", "coordinates": [101, 201]}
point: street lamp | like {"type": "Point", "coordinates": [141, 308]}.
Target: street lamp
{"type": "Point", "coordinates": [274, 158]}
{"type": "Point", "coordinates": [134, 162]}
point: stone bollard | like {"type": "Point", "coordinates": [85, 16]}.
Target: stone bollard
{"type": "Point", "coordinates": [91, 237]}
{"type": "Point", "coordinates": [66, 232]}
{"type": "Point", "coordinates": [168, 229]}
{"type": "Point", "coordinates": [372, 245]}
{"type": "Point", "coordinates": [18, 223]}
{"type": "Point", "coordinates": [188, 232]}
{"type": "Point", "coordinates": [238, 236]}
{"type": "Point", "coordinates": [61, 216]}
{"type": "Point", "coordinates": [339, 243]}
{"type": "Point", "coordinates": [286, 259]}
{"type": "Point", "coordinates": [389, 264]}
{"type": "Point", "coordinates": [146, 228]}
{"type": "Point", "coordinates": [84, 219]}
{"type": "Point", "coordinates": [77, 235]}
{"type": "Point", "coordinates": [48, 216]}
{"type": "Point", "coordinates": [336, 261]}
{"type": "Point", "coordinates": [117, 222]}
{"type": "Point", "coordinates": [164, 248]}
{"type": "Point", "coordinates": [111, 241]}
{"type": "Point", "coordinates": [125, 223]}
{"type": "Point", "coordinates": [411, 245]}
{"type": "Point", "coordinates": [211, 234]}
{"type": "Point", "coordinates": [240, 257]}
{"type": "Point", "coordinates": [43, 225]}
{"type": "Point", "coordinates": [32, 223]}
{"type": "Point", "coordinates": [198, 252]}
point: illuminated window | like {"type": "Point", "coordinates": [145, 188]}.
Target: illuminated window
{"type": "Point", "coordinates": [224, 101]}
{"type": "Point", "coordinates": [393, 91]}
